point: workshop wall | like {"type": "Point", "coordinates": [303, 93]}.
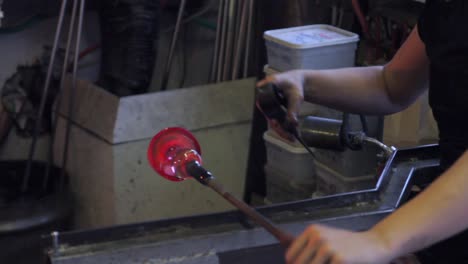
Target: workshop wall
{"type": "Point", "coordinates": [193, 54]}
{"type": "Point", "coordinates": [23, 48]}
{"type": "Point", "coordinates": [191, 65]}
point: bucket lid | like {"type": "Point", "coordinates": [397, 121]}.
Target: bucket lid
{"type": "Point", "coordinates": [310, 36]}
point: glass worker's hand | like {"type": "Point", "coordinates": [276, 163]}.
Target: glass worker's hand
{"type": "Point", "coordinates": [320, 244]}
{"type": "Point", "coordinates": [291, 84]}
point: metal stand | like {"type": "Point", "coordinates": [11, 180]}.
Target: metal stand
{"type": "Point", "coordinates": [27, 175]}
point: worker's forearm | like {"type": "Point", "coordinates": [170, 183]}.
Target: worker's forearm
{"type": "Point", "coordinates": [438, 213]}
{"type": "Point", "coordinates": [356, 90]}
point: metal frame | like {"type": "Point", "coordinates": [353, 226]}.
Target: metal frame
{"type": "Point", "coordinates": [357, 210]}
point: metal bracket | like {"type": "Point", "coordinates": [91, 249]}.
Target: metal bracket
{"type": "Point", "coordinates": [55, 243]}
{"type": "Point", "coordinates": [1, 13]}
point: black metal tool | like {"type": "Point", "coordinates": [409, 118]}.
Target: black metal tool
{"type": "Point", "coordinates": [273, 104]}
{"type": "Point", "coordinates": [324, 133]}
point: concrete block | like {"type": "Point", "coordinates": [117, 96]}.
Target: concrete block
{"type": "Point", "coordinates": [107, 163]}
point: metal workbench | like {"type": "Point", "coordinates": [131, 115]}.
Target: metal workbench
{"type": "Point", "coordinates": [230, 238]}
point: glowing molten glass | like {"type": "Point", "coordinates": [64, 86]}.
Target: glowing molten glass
{"type": "Point", "coordinates": [170, 150]}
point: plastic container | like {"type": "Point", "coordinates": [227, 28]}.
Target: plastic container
{"type": "Point", "coordinates": [291, 161]}
{"type": "Point", "coordinates": [330, 181]}
{"type": "Point", "coordinates": [352, 164]}
{"type": "Point", "coordinates": [346, 171]}
{"type": "Point", "coordinates": [280, 188]}
{"type": "Point", "coordinates": [310, 47]}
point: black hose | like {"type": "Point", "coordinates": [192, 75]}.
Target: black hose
{"type": "Point", "coordinates": [129, 28]}
{"type": "Point", "coordinates": [345, 134]}
{"type": "Point", "coordinates": [365, 127]}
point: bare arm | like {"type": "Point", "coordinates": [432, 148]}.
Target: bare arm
{"type": "Point", "coordinates": [436, 214]}
{"type": "Point", "coordinates": [368, 90]}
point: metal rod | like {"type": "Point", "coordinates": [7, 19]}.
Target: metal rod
{"type": "Point", "coordinates": [32, 149]}
{"type": "Point", "coordinates": [304, 145]}
{"type": "Point", "coordinates": [219, 75]}
{"type": "Point", "coordinates": [55, 242]}
{"type": "Point", "coordinates": [71, 98]}
{"type": "Point", "coordinates": [388, 150]}
{"type": "Point", "coordinates": [284, 238]}
{"type": "Point", "coordinates": [230, 39]}
{"type": "Point", "coordinates": [214, 63]}
{"type": "Point", "coordinates": [237, 20]}
{"type": "Point", "coordinates": [248, 39]}
{"type": "Point", "coordinates": [59, 96]}
{"type": "Point", "coordinates": [240, 41]}
{"type": "Point", "coordinates": [167, 68]}
{"type": "Point", "coordinates": [365, 128]}
{"type": "Point", "coordinates": [334, 15]}
{"type": "Point", "coordinates": [340, 17]}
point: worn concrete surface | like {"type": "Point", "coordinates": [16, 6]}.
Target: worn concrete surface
{"type": "Point", "coordinates": [114, 183]}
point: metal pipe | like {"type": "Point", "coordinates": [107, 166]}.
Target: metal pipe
{"type": "Point", "coordinates": [59, 96]}
{"type": "Point", "coordinates": [219, 75]}
{"type": "Point", "coordinates": [240, 41]}
{"type": "Point", "coordinates": [32, 149]}
{"type": "Point", "coordinates": [214, 62]}
{"type": "Point", "coordinates": [284, 238]}
{"type": "Point", "coordinates": [320, 132]}
{"type": "Point", "coordinates": [230, 38]}
{"type": "Point", "coordinates": [334, 15]}
{"type": "Point", "coordinates": [248, 39]}
{"type": "Point", "coordinates": [55, 242]}
{"type": "Point", "coordinates": [364, 125]}
{"type": "Point", "coordinates": [388, 150]}
{"type": "Point", "coordinates": [340, 17]}
{"type": "Point", "coordinates": [1, 12]}
{"type": "Point", "coordinates": [194, 169]}
{"type": "Point", "coordinates": [71, 98]}
{"type": "Point", "coordinates": [167, 68]}
{"type": "Point", "coordinates": [237, 22]}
